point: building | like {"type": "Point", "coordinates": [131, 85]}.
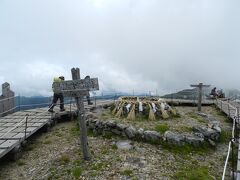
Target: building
{"type": "Point", "coordinates": [7, 100]}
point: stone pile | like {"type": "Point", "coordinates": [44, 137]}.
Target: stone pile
{"type": "Point", "coordinates": [102, 127]}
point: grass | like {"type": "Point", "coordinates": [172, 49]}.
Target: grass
{"type": "Point", "coordinates": [127, 172]}
{"type": "Point", "coordinates": [186, 149]}
{"type": "Point", "coordinates": [64, 159]}
{"type": "Point", "coordinates": [225, 136]}
{"type": "Point", "coordinates": [162, 128]}
{"type": "Point", "coordinates": [21, 163]}
{"type": "Point", "coordinates": [190, 173]}
{"type": "Point", "coordinates": [197, 117]}
{"type": "Point", "coordinates": [99, 166]}
{"type": "Point", "coordinates": [77, 172]}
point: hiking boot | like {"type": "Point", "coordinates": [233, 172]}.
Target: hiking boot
{"type": "Point", "coordinates": [62, 110]}
{"type": "Point", "coordinates": [51, 110]}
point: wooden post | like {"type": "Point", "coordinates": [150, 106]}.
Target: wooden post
{"type": "Point", "coordinates": [200, 92]}
{"type": "Point", "coordinates": [81, 118]}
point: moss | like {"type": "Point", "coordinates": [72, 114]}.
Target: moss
{"type": "Point", "coordinates": [162, 128]}
{"type": "Point", "coordinates": [112, 107]}
{"type": "Point", "coordinates": [190, 173]}
{"type": "Point", "coordinates": [77, 172]}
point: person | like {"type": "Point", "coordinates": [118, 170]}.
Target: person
{"type": "Point", "coordinates": [57, 95]}
{"type": "Point", "coordinates": [213, 92]}
{"type": "Point", "coordinates": [88, 96]}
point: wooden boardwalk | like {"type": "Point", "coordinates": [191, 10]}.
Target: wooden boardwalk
{"type": "Point", "coordinates": [17, 127]}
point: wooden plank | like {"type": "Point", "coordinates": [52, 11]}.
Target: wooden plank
{"type": "Point", "coordinates": [8, 144]}
{"type": "Point", "coordinates": [2, 141]}
{"type": "Point", "coordinates": [82, 86]}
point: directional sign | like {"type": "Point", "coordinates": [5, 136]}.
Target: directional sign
{"type": "Point", "coordinates": [76, 88]}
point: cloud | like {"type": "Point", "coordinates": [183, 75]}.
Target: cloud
{"type": "Point", "coordinates": [128, 44]}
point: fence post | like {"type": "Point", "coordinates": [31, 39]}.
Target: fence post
{"type": "Point", "coordinates": [26, 126]}
{"type": "Point", "coordinates": [229, 115]}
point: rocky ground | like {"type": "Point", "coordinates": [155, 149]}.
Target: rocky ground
{"type": "Point", "coordinates": [57, 155]}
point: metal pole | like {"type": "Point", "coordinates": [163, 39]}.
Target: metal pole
{"type": "Point", "coordinates": [19, 102]}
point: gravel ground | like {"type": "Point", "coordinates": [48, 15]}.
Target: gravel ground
{"type": "Point", "coordinates": [57, 155]}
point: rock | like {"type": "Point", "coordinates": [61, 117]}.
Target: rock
{"type": "Point", "coordinates": [207, 132]}
{"type": "Point", "coordinates": [152, 136]}
{"type": "Point", "coordinates": [140, 133]}
{"type": "Point", "coordinates": [121, 127]}
{"type": "Point", "coordinates": [217, 128]}
{"type": "Point", "coordinates": [124, 145]}
{"type": "Point", "coordinates": [212, 143]}
{"type": "Point", "coordinates": [200, 135]}
{"type": "Point", "coordinates": [116, 131]}
{"type": "Point", "coordinates": [111, 124]}
{"type": "Point", "coordinates": [194, 140]}
{"type": "Point", "coordinates": [130, 132]}
{"type": "Point", "coordinates": [174, 138]}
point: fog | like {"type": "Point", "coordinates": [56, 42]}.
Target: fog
{"type": "Point", "coordinates": [140, 45]}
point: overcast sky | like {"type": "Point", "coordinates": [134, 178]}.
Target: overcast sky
{"type": "Point", "coordinates": [128, 44]}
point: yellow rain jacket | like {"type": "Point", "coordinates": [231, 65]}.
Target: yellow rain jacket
{"type": "Point", "coordinates": [56, 80]}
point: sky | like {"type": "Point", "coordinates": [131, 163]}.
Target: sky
{"type": "Point", "coordinates": [131, 45]}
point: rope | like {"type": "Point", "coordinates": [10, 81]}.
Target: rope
{"type": "Point", "coordinates": [232, 140]}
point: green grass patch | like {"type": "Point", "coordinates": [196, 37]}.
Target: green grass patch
{"type": "Point", "coordinates": [21, 163]}
{"type": "Point", "coordinates": [64, 159]}
{"type": "Point", "coordinates": [225, 136]}
{"type": "Point", "coordinates": [186, 149]}
{"type": "Point", "coordinates": [162, 128]}
{"type": "Point", "coordinates": [197, 117]}
{"type": "Point", "coordinates": [99, 166]}
{"type": "Point", "coordinates": [193, 173]}
{"type": "Point", "coordinates": [74, 131]}
{"type": "Point", "coordinates": [114, 147]}
{"type": "Point", "coordinates": [48, 141]}
{"type": "Point", "coordinates": [77, 172]}
{"type": "Point", "coordinates": [127, 172]}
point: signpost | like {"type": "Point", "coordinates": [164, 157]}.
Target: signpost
{"type": "Point", "coordinates": [200, 92]}
{"type": "Point", "coordinates": [78, 88]}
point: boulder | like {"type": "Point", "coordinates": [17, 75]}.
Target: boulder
{"type": "Point", "coordinates": [124, 145]}
{"type": "Point", "coordinates": [174, 138]}
{"type": "Point", "coordinates": [110, 124]}
{"type": "Point", "coordinates": [130, 132]}
{"type": "Point", "coordinates": [207, 132]}
{"type": "Point", "coordinates": [194, 140]}
{"type": "Point", "coordinates": [121, 127]}
{"type": "Point", "coordinates": [140, 133]}
{"type": "Point", "coordinates": [152, 136]}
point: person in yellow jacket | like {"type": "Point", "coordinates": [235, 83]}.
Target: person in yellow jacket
{"type": "Point", "coordinates": [57, 96]}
